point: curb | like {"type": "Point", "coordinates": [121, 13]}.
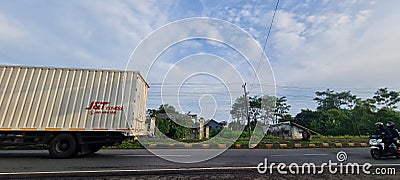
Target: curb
{"type": "Point", "coordinates": [238, 146]}
{"type": "Point", "coordinates": [283, 146]}
{"type": "Point", "coordinates": [188, 146]}
{"type": "Point", "coordinates": [221, 146]}
{"type": "Point", "coordinates": [338, 145]}
{"type": "Point", "coordinates": [256, 146]}
{"type": "Point", "coordinates": [269, 146]}
{"type": "Point", "coordinates": [205, 146]}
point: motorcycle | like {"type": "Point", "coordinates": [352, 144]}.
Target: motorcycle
{"type": "Point", "coordinates": [378, 148]}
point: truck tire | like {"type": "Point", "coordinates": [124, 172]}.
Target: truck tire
{"type": "Point", "coordinates": [63, 146]}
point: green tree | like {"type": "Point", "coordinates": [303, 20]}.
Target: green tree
{"type": "Point", "coordinates": [172, 123]}
{"type": "Point", "coordinates": [236, 126]}
{"type": "Point", "coordinates": [261, 109]}
{"type": "Point", "coordinates": [238, 110]}
{"type": "Point", "coordinates": [268, 107]}
{"type": "Point", "coordinates": [385, 114]}
{"type": "Point", "coordinates": [341, 113]}
{"type": "Point", "coordinates": [306, 118]}
{"type": "Point", "coordinates": [329, 99]}
{"type": "Point", "coordinates": [255, 110]}
{"type": "Point", "coordinates": [282, 109]}
{"type": "Point", "coordinates": [388, 99]}
{"type": "Point", "coordinates": [331, 122]}
{"type": "Point", "coordinates": [286, 117]}
{"type": "Point", "coordinates": [166, 108]}
{"type": "Point", "coordinates": [164, 125]}
{"type": "Point", "coordinates": [363, 117]}
{"type": "Point", "coordinates": [215, 132]}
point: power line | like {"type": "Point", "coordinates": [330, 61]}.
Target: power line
{"type": "Point", "coordinates": [265, 43]}
{"type": "Point", "coordinates": [157, 85]}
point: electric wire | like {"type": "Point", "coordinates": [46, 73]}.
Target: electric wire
{"type": "Point", "coordinates": [265, 43]}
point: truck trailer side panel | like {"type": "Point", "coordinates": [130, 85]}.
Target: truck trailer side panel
{"type": "Point", "coordinates": [50, 99]}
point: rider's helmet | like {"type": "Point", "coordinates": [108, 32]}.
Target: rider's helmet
{"type": "Point", "coordinates": [390, 125]}
{"type": "Point", "coordinates": [379, 125]}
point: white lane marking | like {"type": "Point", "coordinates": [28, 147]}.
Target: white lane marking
{"type": "Point", "coordinates": [149, 155]}
{"type": "Point", "coordinates": [315, 154]}
{"type": "Point", "coordinates": [154, 170]}
{"type": "Point", "coordinates": [127, 170]}
{"type": "Point", "coordinates": [288, 155]}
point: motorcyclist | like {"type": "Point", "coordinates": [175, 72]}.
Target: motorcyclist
{"type": "Point", "coordinates": [395, 133]}
{"type": "Point", "coordinates": [384, 133]}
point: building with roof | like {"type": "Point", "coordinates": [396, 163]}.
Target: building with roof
{"type": "Point", "coordinates": [290, 130]}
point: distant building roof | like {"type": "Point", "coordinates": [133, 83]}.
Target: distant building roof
{"type": "Point", "coordinates": [222, 123]}
{"type": "Point", "coordinates": [297, 125]}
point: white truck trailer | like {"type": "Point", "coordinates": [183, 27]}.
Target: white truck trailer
{"type": "Point", "coordinates": [70, 110]}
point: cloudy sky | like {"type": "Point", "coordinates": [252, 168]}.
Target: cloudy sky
{"type": "Point", "coordinates": [313, 45]}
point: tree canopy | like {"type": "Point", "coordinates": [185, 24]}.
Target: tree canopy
{"type": "Point", "coordinates": [342, 113]}
{"type": "Point", "coordinates": [265, 109]}
{"type": "Point", "coordinates": [337, 113]}
{"type": "Point", "coordinates": [171, 123]}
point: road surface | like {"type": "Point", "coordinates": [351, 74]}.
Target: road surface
{"type": "Point", "coordinates": [37, 163]}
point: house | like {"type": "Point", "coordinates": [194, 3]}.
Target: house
{"type": "Point", "coordinates": [290, 130]}
{"type": "Point", "coordinates": [213, 124]}
{"type": "Point", "coordinates": [204, 127]}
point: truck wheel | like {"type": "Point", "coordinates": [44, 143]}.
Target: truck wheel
{"type": "Point", "coordinates": [63, 146]}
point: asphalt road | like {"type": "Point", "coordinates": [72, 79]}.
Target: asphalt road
{"type": "Point", "coordinates": [16, 163]}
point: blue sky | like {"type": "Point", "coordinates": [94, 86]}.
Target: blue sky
{"type": "Point", "coordinates": [314, 44]}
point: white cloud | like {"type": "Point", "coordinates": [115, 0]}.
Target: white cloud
{"type": "Point", "coordinates": [335, 48]}
{"type": "Point", "coordinates": [81, 33]}
{"type": "Point", "coordinates": [349, 46]}
{"type": "Point", "coordinates": [11, 30]}
{"type": "Point", "coordinates": [286, 22]}
{"type": "Point", "coordinates": [312, 44]}
{"type": "Point", "coordinates": [130, 21]}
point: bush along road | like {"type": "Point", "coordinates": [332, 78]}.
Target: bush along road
{"type": "Point", "coordinates": [266, 143]}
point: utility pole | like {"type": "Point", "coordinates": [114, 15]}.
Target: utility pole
{"type": "Point", "coordinates": [247, 107]}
